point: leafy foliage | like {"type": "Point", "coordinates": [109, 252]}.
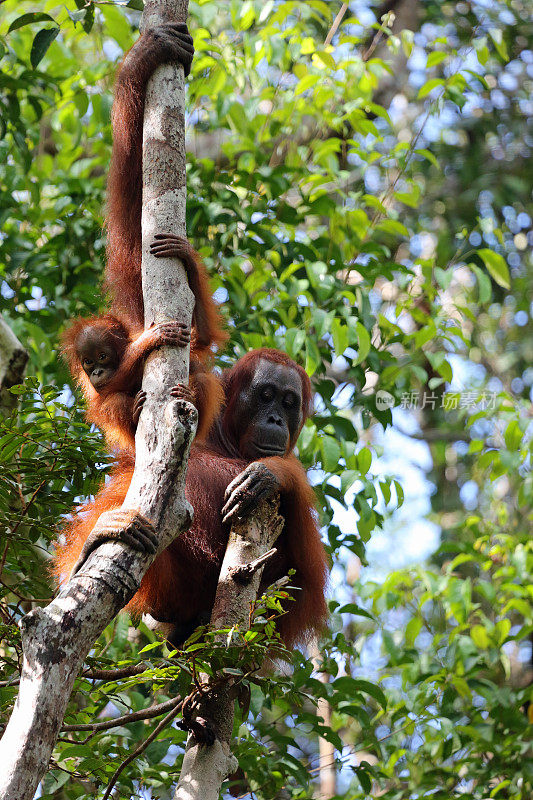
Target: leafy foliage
{"type": "Point", "coordinates": [361, 205]}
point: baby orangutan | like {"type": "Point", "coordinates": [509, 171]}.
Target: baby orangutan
{"type": "Point", "coordinates": [107, 362]}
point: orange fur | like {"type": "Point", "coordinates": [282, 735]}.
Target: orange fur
{"type": "Point", "coordinates": [111, 408]}
{"type": "Point", "coordinates": [124, 203]}
{"type": "Point", "coordinates": [112, 412]}
{"type": "Point", "coordinates": [84, 520]}
{"type": "Point", "coordinates": [182, 581]}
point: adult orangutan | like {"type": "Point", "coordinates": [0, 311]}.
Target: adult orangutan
{"type": "Point", "coordinates": [248, 457]}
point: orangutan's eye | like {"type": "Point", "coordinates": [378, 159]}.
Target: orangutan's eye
{"type": "Point", "coordinates": [267, 394]}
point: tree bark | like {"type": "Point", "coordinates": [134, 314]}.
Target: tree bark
{"type": "Point", "coordinates": [57, 638]}
{"type": "Point", "coordinates": [205, 767]}
{"type": "Point", "coordinates": [327, 774]}
{"type": "Point", "coordinates": [13, 360]}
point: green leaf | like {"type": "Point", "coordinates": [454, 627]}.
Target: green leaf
{"type": "Point", "coordinates": [399, 492]}
{"type": "Point", "coordinates": [322, 320]}
{"type": "Point", "coordinates": [370, 688]}
{"type": "Point", "coordinates": [364, 779]}
{"type": "Point", "coordinates": [28, 19]}
{"type": "Point", "coordinates": [513, 436]}
{"type": "Point", "coordinates": [117, 25]}
{"type": "Point", "coordinates": [479, 636]}
{"type": "Point", "coordinates": [428, 155]}
{"type": "Point", "coordinates": [247, 14]}
{"type": "Point", "coordinates": [393, 226]}
{"type": "Point", "coordinates": [348, 478]}
{"type": "Point", "coordinates": [412, 629]}
{"type": "Point", "coordinates": [331, 453]}
{"type": "Point", "coordinates": [429, 86]}
{"type": "Point", "coordinates": [437, 57]}
{"type": "Point", "coordinates": [501, 48]}
{"type": "Point", "coordinates": [409, 198]}
{"type": "Point", "coordinates": [88, 21]}
{"type": "Point", "coordinates": [339, 332]}
{"type": "Point", "coordinates": [312, 357]}
{"type": "Point", "coordinates": [364, 343]}
{"type": "Point", "coordinates": [484, 284]}
{"type": "Point", "coordinates": [322, 59]}
{"type": "Point", "coordinates": [462, 687]}
{"type": "Point", "coordinates": [306, 82]}
{"type": "Point", "coordinates": [77, 16]}
{"type": "Point", "coordinates": [439, 362]}
{"type": "Point", "coordinates": [19, 388]}
{"type": "Point", "coordinates": [503, 626]}
{"type": "Point", "coordinates": [353, 608]}
{"type": "Point", "coordinates": [364, 460]}
{"type": "Point", "coordinates": [483, 55]}
{"type": "Point", "coordinates": [444, 278]}
{"type": "Point", "coordinates": [42, 41]}
{"type": "Point", "coordinates": [294, 341]}
{"type": "Point", "coordinates": [456, 96]}
{"type": "Point", "coordinates": [385, 490]}
{"type": "Point", "coordinates": [495, 264]}
{"type": "Point", "coordinates": [478, 77]}
{"type": "Point", "coordinates": [499, 788]}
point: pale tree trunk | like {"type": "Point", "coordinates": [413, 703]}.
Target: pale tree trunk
{"type": "Point", "coordinates": [13, 360]}
{"type": "Point", "coordinates": [249, 548]}
{"type": "Point", "coordinates": [327, 775]}
{"type": "Point", "coordinates": [327, 770]}
{"type": "Point", "coordinates": [57, 638]}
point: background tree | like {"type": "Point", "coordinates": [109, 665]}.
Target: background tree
{"type": "Point", "coordinates": [364, 206]}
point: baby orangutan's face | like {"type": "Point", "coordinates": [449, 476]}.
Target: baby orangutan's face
{"type": "Point", "coordinates": [98, 356]}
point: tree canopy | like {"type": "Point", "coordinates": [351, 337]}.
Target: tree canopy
{"type": "Point", "coordinates": [361, 197]}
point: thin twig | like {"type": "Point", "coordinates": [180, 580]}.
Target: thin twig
{"type": "Point", "coordinates": [4, 556]}
{"type": "Point", "coordinates": [379, 13]}
{"type": "Point", "coordinates": [164, 722]}
{"type": "Point", "coordinates": [125, 719]}
{"type": "Point", "coordinates": [336, 22]}
{"type": "Point", "coordinates": [10, 682]}
{"type": "Point", "coordinates": [374, 43]}
{"type": "Point", "coordinates": [114, 674]}
{"type": "Point", "coordinates": [23, 597]}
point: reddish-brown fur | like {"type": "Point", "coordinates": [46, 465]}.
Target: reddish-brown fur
{"type": "Point", "coordinates": [124, 201]}
{"type": "Point", "coordinates": [181, 583]}
{"type": "Point", "coordinates": [111, 408]}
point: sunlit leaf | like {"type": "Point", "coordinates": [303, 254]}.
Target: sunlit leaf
{"type": "Point", "coordinates": [496, 266]}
